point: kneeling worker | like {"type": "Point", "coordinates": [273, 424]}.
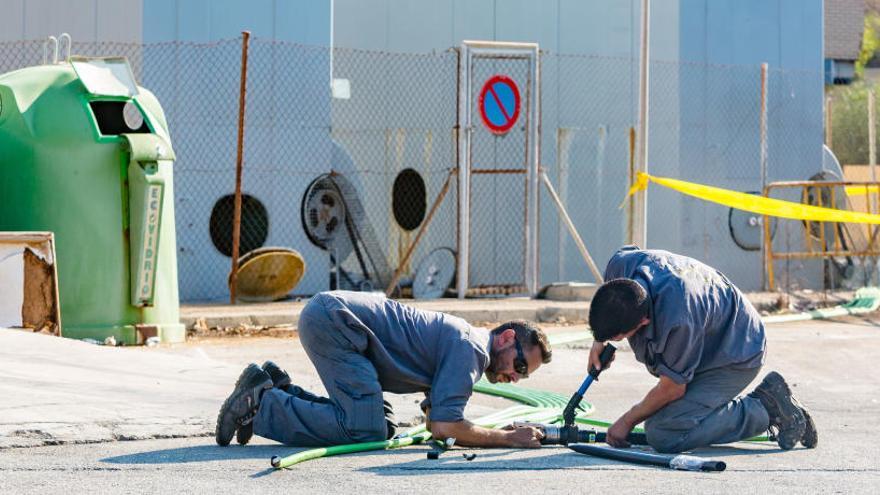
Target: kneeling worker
{"type": "Point", "coordinates": [695, 331]}
{"type": "Point", "coordinates": [363, 345]}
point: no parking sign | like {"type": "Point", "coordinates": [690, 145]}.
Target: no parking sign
{"type": "Point", "coordinates": [499, 104]}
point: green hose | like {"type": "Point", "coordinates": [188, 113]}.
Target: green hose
{"type": "Point", "coordinates": [307, 455]}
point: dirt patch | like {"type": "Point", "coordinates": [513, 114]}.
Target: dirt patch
{"type": "Point", "coordinates": [40, 308]}
{"type": "Point", "coordinates": [201, 331]}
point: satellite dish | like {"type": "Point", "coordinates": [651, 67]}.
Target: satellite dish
{"type": "Point", "coordinates": [747, 228]}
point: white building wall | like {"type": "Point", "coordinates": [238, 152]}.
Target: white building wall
{"type": "Point", "coordinates": [84, 20]}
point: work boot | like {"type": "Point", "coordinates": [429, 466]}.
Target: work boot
{"type": "Point", "coordinates": [390, 422]}
{"type": "Point", "coordinates": [787, 421]}
{"type": "Point", "coordinates": [280, 379]}
{"type": "Point", "coordinates": [811, 435]}
{"type": "Point", "coordinates": [241, 406]}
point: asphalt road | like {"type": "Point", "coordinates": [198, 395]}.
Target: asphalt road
{"type": "Point", "coordinates": [831, 365]}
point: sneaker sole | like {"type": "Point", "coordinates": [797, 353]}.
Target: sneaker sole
{"type": "Point", "coordinates": [249, 379]}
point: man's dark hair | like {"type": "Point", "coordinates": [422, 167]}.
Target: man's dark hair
{"type": "Point", "coordinates": [529, 336]}
{"type": "Point", "coordinates": [617, 307]}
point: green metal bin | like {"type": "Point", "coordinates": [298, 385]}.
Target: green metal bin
{"type": "Point", "coordinates": [85, 153]}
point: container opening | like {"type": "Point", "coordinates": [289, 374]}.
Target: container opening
{"type": "Point", "coordinates": [118, 117]}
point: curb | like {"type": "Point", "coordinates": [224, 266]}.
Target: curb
{"type": "Point", "coordinates": [288, 318]}
{"type": "Point", "coordinates": [482, 311]}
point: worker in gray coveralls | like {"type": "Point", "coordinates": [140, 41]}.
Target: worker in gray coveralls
{"type": "Point", "coordinates": [695, 331]}
{"type": "Point", "coordinates": [363, 345]}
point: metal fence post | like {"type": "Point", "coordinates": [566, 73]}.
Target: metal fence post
{"type": "Point", "coordinates": [640, 231]}
{"type": "Point", "coordinates": [236, 218]}
{"type": "Point", "coordinates": [464, 169]}
{"type": "Point", "coordinates": [763, 131]}
{"type": "Point", "coordinates": [630, 201]}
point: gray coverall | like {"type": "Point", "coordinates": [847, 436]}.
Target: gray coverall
{"type": "Point", "coordinates": [364, 344]}
{"type": "Point", "coordinates": [703, 333]}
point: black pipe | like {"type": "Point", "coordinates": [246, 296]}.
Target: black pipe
{"type": "Point", "coordinates": [564, 435]}
{"type": "Point", "coordinates": [632, 437]}
{"type": "Point", "coordinates": [685, 462]}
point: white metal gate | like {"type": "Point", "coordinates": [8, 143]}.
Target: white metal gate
{"type": "Point", "coordinates": [498, 159]}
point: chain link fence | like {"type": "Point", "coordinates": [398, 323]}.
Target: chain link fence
{"type": "Point", "coordinates": [848, 120]}
{"type": "Point", "coordinates": [349, 181]}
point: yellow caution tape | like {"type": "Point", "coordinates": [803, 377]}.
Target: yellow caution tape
{"type": "Point", "coordinates": [857, 190]}
{"type": "Point", "coordinates": [756, 204]}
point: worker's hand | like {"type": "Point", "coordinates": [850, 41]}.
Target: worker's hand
{"type": "Point", "coordinates": [616, 436]}
{"type": "Point", "coordinates": [527, 437]}
{"type": "Point", "coordinates": [595, 351]}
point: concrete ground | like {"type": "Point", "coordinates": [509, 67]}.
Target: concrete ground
{"type": "Point", "coordinates": [60, 391]}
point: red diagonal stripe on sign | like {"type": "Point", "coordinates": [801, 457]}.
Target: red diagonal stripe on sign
{"type": "Point", "coordinates": [498, 101]}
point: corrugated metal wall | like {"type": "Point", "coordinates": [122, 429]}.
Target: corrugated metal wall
{"type": "Point", "coordinates": [704, 106]}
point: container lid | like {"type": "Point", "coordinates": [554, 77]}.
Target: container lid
{"type": "Point", "coordinates": [109, 76]}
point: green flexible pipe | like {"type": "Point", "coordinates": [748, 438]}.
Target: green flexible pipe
{"type": "Point", "coordinates": [306, 455]}
{"type": "Point", "coordinates": [415, 436]}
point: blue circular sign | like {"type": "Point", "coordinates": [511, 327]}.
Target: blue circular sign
{"type": "Point", "coordinates": [499, 104]}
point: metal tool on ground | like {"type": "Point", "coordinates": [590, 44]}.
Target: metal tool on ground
{"type": "Point", "coordinates": [564, 435]}
{"type": "Point", "coordinates": [680, 461]}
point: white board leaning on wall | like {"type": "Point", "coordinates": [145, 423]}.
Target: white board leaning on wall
{"type": "Point", "coordinates": [29, 282]}
{"type": "Point", "coordinates": [11, 285]}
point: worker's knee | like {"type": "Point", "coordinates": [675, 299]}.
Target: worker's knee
{"type": "Point", "coordinates": [362, 409]}
{"type": "Point", "coordinates": [374, 433]}
{"type": "Point", "coordinates": [371, 427]}
{"type": "Point", "coordinates": [664, 441]}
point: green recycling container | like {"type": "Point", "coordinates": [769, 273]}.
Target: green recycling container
{"type": "Point", "coordinates": [85, 153]}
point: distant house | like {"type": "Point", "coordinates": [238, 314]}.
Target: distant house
{"type": "Point", "coordinates": [844, 22]}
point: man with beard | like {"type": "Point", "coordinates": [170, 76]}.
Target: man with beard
{"type": "Point", "coordinates": [363, 345]}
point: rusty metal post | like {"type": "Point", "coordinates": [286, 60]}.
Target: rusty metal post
{"type": "Point", "coordinates": [836, 231]}
{"type": "Point", "coordinates": [768, 248]}
{"type": "Point", "coordinates": [236, 217]}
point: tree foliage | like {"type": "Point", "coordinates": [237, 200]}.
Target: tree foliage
{"type": "Point", "coordinates": [870, 42]}
{"type": "Point", "coordinates": [849, 121]}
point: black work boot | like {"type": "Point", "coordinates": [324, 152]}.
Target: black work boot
{"type": "Point", "coordinates": [787, 420]}
{"type": "Point", "coordinates": [241, 406]}
{"type": "Point", "coordinates": [390, 422]}
{"type": "Point", "coordinates": [811, 435]}
{"type": "Point", "coordinates": [280, 379]}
